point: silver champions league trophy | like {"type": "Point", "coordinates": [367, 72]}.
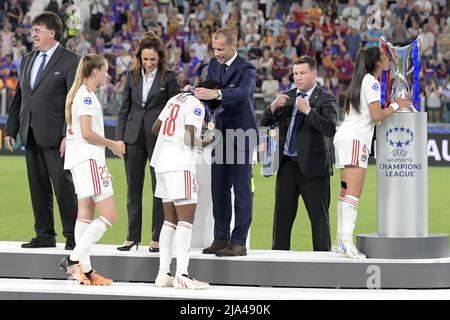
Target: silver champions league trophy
{"type": "Point", "coordinates": [402, 167]}
{"type": "Point", "coordinates": [403, 61]}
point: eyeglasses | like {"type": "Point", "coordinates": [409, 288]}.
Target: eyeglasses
{"type": "Point", "coordinates": [37, 31]}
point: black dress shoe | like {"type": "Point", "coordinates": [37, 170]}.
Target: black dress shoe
{"type": "Point", "coordinates": [128, 248]}
{"type": "Point", "coordinates": [216, 246]}
{"type": "Point", "coordinates": [70, 244]}
{"type": "Point", "coordinates": [39, 243]}
{"type": "Point", "coordinates": [232, 250]}
{"type": "Point", "coordinates": [152, 249]}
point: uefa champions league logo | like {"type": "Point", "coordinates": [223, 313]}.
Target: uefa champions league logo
{"type": "Point", "coordinates": [399, 139]}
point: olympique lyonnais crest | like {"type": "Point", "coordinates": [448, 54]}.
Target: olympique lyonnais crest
{"type": "Point", "coordinates": [399, 139]}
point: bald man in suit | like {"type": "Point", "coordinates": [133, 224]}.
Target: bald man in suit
{"type": "Point", "coordinates": [232, 168]}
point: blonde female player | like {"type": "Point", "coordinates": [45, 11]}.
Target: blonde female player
{"type": "Point", "coordinates": [353, 140]}
{"type": "Point", "coordinates": [179, 128]}
{"type": "Point", "coordinates": [85, 158]}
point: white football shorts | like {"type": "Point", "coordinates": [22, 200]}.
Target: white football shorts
{"type": "Point", "coordinates": [179, 187]}
{"type": "Point", "coordinates": [351, 153]}
{"type": "Point", "coordinates": [92, 180]}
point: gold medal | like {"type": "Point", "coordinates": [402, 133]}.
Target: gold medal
{"type": "Point", "coordinates": [272, 133]}
{"type": "Point", "coordinates": [211, 125]}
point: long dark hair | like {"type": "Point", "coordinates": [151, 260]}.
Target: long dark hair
{"type": "Point", "coordinates": [366, 62]}
{"type": "Point", "coordinates": [150, 41]}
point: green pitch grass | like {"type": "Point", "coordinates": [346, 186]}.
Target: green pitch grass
{"type": "Point", "coordinates": [16, 215]}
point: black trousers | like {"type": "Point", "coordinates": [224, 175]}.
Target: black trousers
{"type": "Point", "coordinates": [223, 177]}
{"type": "Point", "coordinates": [136, 158]}
{"type": "Point", "coordinates": [46, 172]}
{"type": "Point", "coordinates": [290, 184]}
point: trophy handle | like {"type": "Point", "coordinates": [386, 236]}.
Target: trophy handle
{"type": "Point", "coordinates": [419, 53]}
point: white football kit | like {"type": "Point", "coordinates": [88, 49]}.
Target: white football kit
{"type": "Point", "coordinates": [173, 160]}
{"type": "Point", "coordinates": [353, 139]}
{"type": "Point", "coordinates": [86, 161]}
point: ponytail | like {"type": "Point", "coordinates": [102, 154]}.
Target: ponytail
{"type": "Point", "coordinates": [77, 82]}
{"type": "Point", "coordinates": [366, 62]}
{"type": "Point", "coordinates": [87, 64]}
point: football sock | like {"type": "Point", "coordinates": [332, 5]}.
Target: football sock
{"type": "Point", "coordinates": [80, 227]}
{"type": "Point", "coordinates": [339, 210]}
{"type": "Point", "coordinates": [91, 235]}
{"type": "Point", "coordinates": [183, 237]}
{"type": "Point", "coordinates": [165, 246]}
{"type": "Point", "coordinates": [349, 214]}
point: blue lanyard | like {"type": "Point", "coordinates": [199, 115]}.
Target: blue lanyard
{"type": "Point", "coordinates": [208, 110]}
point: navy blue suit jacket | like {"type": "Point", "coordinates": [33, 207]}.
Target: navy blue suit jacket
{"type": "Point", "coordinates": [236, 110]}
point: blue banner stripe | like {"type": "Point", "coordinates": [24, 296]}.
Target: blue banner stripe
{"type": "Point", "coordinates": [415, 57]}
{"type": "Point", "coordinates": [383, 88]}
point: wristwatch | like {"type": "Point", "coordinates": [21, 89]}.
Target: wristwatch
{"type": "Point", "coordinates": [219, 97]}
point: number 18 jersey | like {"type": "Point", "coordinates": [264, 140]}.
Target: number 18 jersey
{"type": "Point", "coordinates": [171, 153]}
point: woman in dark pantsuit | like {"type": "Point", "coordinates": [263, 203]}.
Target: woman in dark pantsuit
{"type": "Point", "coordinates": [149, 86]}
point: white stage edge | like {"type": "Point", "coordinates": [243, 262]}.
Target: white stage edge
{"type": "Point", "coordinates": [70, 290]}
{"type": "Point", "coordinates": [260, 268]}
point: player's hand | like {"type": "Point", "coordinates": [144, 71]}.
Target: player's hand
{"type": "Point", "coordinates": [207, 140]}
{"type": "Point", "coordinates": [279, 101]}
{"type": "Point", "coordinates": [118, 148]}
{"type": "Point", "coordinates": [10, 142]}
{"type": "Point", "coordinates": [122, 145]}
{"type": "Point", "coordinates": [404, 103]}
{"type": "Point", "coordinates": [62, 147]}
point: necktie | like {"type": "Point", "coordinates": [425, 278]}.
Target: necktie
{"type": "Point", "coordinates": [223, 68]}
{"type": "Point", "coordinates": [298, 120]}
{"type": "Point", "coordinates": [41, 67]}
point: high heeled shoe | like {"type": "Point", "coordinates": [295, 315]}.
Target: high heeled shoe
{"type": "Point", "coordinates": [152, 248]}
{"type": "Point", "coordinates": [128, 247]}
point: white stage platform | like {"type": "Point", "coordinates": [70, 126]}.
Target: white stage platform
{"type": "Point", "coordinates": [70, 290]}
{"type": "Point", "coordinates": [262, 274]}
